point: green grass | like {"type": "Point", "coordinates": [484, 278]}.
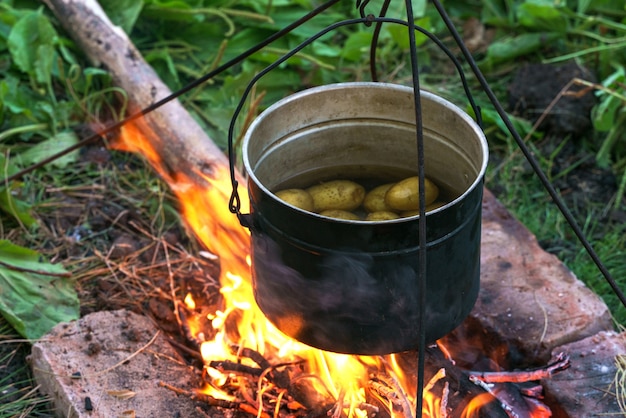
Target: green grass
{"type": "Point", "coordinates": [18, 395]}
{"type": "Point", "coordinates": [522, 193]}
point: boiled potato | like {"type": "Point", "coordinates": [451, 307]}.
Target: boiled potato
{"type": "Point", "coordinates": [340, 214]}
{"type": "Point", "coordinates": [375, 199]}
{"type": "Point", "coordinates": [404, 195]}
{"type": "Point", "coordinates": [297, 197]}
{"type": "Point", "coordinates": [337, 194]}
{"type": "Point", "coordinates": [436, 204]}
{"type": "Point", "coordinates": [432, 206]}
{"type": "Point", "coordinates": [381, 215]}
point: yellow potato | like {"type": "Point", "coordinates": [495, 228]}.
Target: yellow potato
{"type": "Point", "coordinates": [436, 204]}
{"type": "Point", "coordinates": [432, 206]}
{"type": "Point", "coordinates": [375, 199]}
{"type": "Point", "coordinates": [297, 197]}
{"type": "Point", "coordinates": [381, 215]}
{"type": "Point", "coordinates": [337, 194]}
{"type": "Point", "coordinates": [340, 214]}
{"type": "Point", "coordinates": [404, 195]}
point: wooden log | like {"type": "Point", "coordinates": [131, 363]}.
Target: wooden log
{"type": "Point", "coordinates": [461, 390]}
{"type": "Point", "coordinates": [181, 143]}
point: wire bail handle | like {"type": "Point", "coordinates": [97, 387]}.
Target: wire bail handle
{"type": "Point", "coordinates": [234, 204]}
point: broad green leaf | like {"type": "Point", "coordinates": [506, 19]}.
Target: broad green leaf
{"type": "Point", "coordinates": [541, 15]}
{"type": "Point", "coordinates": [605, 112]}
{"type": "Point", "coordinates": [618, 76]}
{"type": "Point", "coordinates": [123, 13]}
{"type": "Point", "coordinates": [491, 117]}
{"type": "Point", "coordinates": [31, 43]}
{"type": "Point", "coordinates": [16, 98]}
{"type": "Point", "coordinates": [170, 11]}
{"type": "Point", "coordinates": [509, 48]}
{"type": "Point", "coordinates": [7, 167]}
{"type": "Point", "coordinates": [582, 5]}
{"type": "Point", "coordinates": [496, 13]}
{"type": "Point", "coordinates": [357, 44]}
{"type": "Point", "coordinates": [164, 60]}
{"type": "Point", "coordinates": [49, 147]}
{"type": "Point", "coordinates": [15, 207]}
{"type": "Point", "coordinates": [400, 36]}
{"type": "Point", "coordinates": [10, 204]}
{"type": "Point", "coordinates": [605, 6]}
{"type": "Point", "coordinates": [35, 295]}
{"type": "Point", "coordinates": [323, 49]}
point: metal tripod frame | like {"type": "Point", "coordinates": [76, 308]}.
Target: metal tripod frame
{"type": "Point", "coordinates": [368, 20]}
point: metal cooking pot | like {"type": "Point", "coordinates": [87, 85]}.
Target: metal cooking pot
{"type": "Point", "coordinates": [352, 286]}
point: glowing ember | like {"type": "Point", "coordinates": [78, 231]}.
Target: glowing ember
{"type": "Point", "coordinates": [343, 379]}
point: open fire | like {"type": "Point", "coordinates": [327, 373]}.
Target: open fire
{"type": "Point", "coordinates": [252, 366]}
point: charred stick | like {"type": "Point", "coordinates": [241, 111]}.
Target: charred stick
{"type": "Point", "coordinates": [252, 410]}
{"type": "Point", "coordinates": [372, 410]}
{"type": "Point", "coordinates": [561, 363]}
{"type": "Point", "coordinates": [391, 381]}
{"type": "Point", "coordinates": [443, 410]}
{"type": "Point", "coordinates": [225, 366]}
{"type": "Point", "coordinates": [210, 400]}
{"type": "Point", "coordinates": [229, 366]}
{"type": "Point", "coordinates": [245, 392]}
{"type": "Point", "coordinates": [390, 395]}
{"type": "Point", "coordinates": [513, 401]}
{"type": "Point", "coordinates": [280, 379]}
{"type": "Point", "coordinates": [184, 324]}
{"type": "Point", "coordinates": [252, 355]}
{"type": "Point", "coordinates": [184, 348]}
{"type": "Point", "coordinates": [534, 391]}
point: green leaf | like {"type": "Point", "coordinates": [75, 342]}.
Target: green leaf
{"type": "Point", "coordinates": [491, 117]}
{"type": "Point", "coordinates": [605, 112]}
{"type": "Point", "coordinates": [509, 48]}
{"type": "Point", "coordinates": [541, 15]}
{"type": "Point", "coordinates": [123, 13]}
{"type": "Point", "coordinates": [31, 44]}
{"type": "Point", "coordinates": [400, 36]}
{"type": "Point", "coordinates": [15, 207]}
{"type": "Point", "coordinates": [35, 295]}
{"type": "Point", "coordinates": [356, 46]}
{"type": "Point", "coordinates": [170, 11]}
{"type": "Point", "coordinates": [16, 98]}
{"type": "Point", "coordinates": [49, 147]}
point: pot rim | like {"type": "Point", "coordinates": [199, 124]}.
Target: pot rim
{"type": "Point", "coordinates": [377, 85]}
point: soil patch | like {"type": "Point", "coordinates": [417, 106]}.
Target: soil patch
{"type": "Point", "coordinates": [566, 122]}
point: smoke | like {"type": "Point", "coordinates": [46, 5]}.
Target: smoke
{"type": "Point", "coordinates": [354, 304]}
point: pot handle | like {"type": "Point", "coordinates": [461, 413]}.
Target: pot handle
{"type": "Point", "coordinates": [247, 220]}
{"type": "Point", "coordinates": [234, 204]}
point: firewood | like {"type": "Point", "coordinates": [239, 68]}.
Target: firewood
{"type": "Point", "coordinates": [177, 137]}
{"type": "Point", "coordinates": [459, 390]}
{"type": "Point", "coordinates": [562, 362]}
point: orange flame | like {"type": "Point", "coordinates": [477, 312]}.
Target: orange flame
{"type": "Point", "coordinates": [204, 206]}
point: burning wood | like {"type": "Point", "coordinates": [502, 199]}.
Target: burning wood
{"type": "Point", "coordinates": [292, 393]}
{"type": "Point", "coordinates": [519, 401]}
{"type": "Point", "coordinates": [561, 363]}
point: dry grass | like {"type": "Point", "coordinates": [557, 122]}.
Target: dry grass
{"type": "Point", "coordinates": [115, 226]}
{"type": "Point", "coordinates": [620, 381]}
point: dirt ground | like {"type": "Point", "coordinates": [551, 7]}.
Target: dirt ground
{"type": "Point", "coordinates": [532, 91]}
